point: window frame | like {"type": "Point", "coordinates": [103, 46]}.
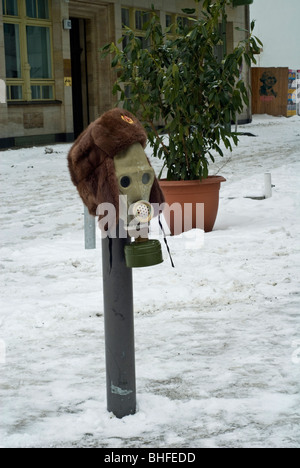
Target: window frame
{"type": "Point", "coordinates": [25, 81]}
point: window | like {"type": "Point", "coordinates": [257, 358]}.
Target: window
{"type": "Point", "coordinates": [125, 17]}
{"type": "Point", "coordinates": [37, 9]}
{"type": "Point", "coordinates": [136, 20]}
{"type": "Point", "coordinates": [177, 22]}
{"type": "Point", "coordinates": [10, 8]}
{"type": "Point", "coordinates": [168, 21]}
{"type": "Point", "coordinates": [219, 49]}
{"type": "Point", "coordinates": [12, 50]}
{"type": "Point", "coordinates": [39, 53]}
{"type": "Point", "coordinates": [28, 50]}
{"type": "Point", "coordinates": [141, 18]}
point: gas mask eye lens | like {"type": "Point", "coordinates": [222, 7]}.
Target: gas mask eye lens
{"type": "Point", "coordinates": [146, 178]}
{"type": "Point", "coordinates": [125, 181]}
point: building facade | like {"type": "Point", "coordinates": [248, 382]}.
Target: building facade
{"type": "Point", "coordinates": [53, 82]}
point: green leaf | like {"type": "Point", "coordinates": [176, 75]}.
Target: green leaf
{"type": "Point", "coordinates": [237, 28]}
{"type": "Point", "coordinates": [115, 61]}
{"type": "Point", "coordinates": [175, 70]}
{"type": "Point", "coordinates": [116, 88]}
{"type": "Point", "coordinates": [205, 170]}
{"type": "Point", "coordinates": [259, 41]}
{"type": "Point", "coordinates": [189, 11]}
{"type": "Point", "coordinates": [247, 60]}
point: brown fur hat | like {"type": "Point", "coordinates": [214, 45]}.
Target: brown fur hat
{"type": "Point", "coordinates": [90, 159]}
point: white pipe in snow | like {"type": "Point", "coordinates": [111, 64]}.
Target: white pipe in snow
{"type": "Point", "coordinates": [268, 185]}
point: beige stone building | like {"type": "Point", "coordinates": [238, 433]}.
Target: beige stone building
{"type": "Point", "coordinates": [52, 79]}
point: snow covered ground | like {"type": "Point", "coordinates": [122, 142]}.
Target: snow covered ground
{"type": "Point", "coordinates": [217, 338]}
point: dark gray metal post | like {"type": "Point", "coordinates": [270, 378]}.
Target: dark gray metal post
{"type": "Point", "coordinates": [119, 328]}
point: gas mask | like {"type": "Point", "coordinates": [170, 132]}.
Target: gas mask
{"type": "Point", "coordinates": [135, 179]}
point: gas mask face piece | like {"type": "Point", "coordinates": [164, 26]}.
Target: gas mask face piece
{"type": "Point", "coordinates": [135, 178]}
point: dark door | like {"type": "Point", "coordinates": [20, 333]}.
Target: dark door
{"type": "Point", "coordinates": [79, 75]}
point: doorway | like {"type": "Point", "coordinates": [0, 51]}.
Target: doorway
{"type": "Point", "coordinates": [79, 64]}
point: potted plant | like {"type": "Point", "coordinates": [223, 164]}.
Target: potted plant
{"type": "Point", "coordinates": [185, 95]}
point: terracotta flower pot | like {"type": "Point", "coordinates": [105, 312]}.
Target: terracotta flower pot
{"type": "Point", "coordinates": [188, 198]}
